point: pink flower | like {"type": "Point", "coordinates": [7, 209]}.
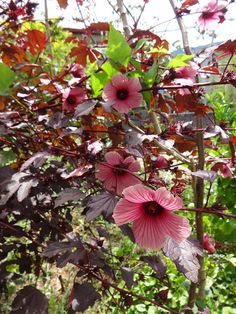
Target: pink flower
{"type": "Point", "coordinates": [161, 162]}
{"type": "Point", "coordinates": [208, 244]}
{"type": "Point", "coordinates": [72, 97]}
{"type": "Point", "coordinates": [212, 14]}
{"type": "Point", "coordinates": [123, 94]}
{"type": "Point", "coordinates": [225, 171]}
{"type": "Point", "coordinates": [150, 212]}
{"type": "Point", "coordinates": [187, 72]}
{"type": "Point", "coordinates": [78, 70]}
{"type": "Point", "coordinates": [116, 172]}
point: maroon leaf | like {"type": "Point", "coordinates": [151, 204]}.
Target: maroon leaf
{"type": "Point", "coordinates": [84, 108]}
{"type": "Point", "coordinates": [101, 204]}
{"type": "Point", "coordinates": [188, 3]}
{"type": "Point", "coordinates": [216, 130]}
{"type": "Point", "coordinates": [30, 300]}
{"type": "Point", "coordinates": [128, 232]}
{"type": "Point", "coordinates": [228, 48]}
{"type": "Point", "coordinates": [21, 182]}
{"type": "Point", "coordinates": [37, 160]}
{"type": "Point", "coordinates": [82, 296]}
{"type": "Point", "coordinates": [156, 264]}
{"type": "Point", "coordinates": [69, 251]}
{"type": "Point", "coordinates": [36, 41]}
{"type": "Point", "coordinates": [205, 175]}
{"type": "Point", "coordinates": [98, 27]}
{"type": "Point", "coordinates": [68, 195]}
{"type": "Point", "coordinates": [184, 255]}
{"type": "Point", "coordinates": [128, 276]}
{"type": "Point", "coordinates": [55, 248]}
{"type": "Point", "coordinates": [63, 3]}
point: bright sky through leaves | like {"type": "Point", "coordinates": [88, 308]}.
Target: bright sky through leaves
{"type": "Point", "coordinates": [156, 12]}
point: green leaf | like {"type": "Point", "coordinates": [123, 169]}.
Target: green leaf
{"type": "Point", "coordinates": [140, 44]}
{"type": "Point", "coordinates": [7, 77]}
{"type": "Point", "coordinates": [109, 69]}
{"type": "Point", "coordinates": [137, 65]}
{"type": "Point", "coordinates": [118, 49]}
{"type": "Point", "coordinates": [7, 157]}
{"type": "Point", "coordinates": [13, 268]}
{"type": "Point", "coordinates": [179, 61]}
{"type": "Point", "coordinates": [98, 80]}
{"type": "Point", "coordinates": [151, 75]}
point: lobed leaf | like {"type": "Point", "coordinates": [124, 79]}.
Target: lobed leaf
{"type": "Point", "coordinates": [185, 256]}
{"type": "Point", "coordinates": [118, 49]}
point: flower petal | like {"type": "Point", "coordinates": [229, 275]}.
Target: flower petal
{"type": "Point", "coordinates": [126, 212]}
{"type": "Point", "coordinates": [119, 81]}
{"type": "Point", "coordinates": [134, 85]}
{"type": "Point", "coordinates": [138, 194]}
{"type": "Point", "coordinates": [113, 158]}
{"type": "Point", "coordinates": [109, 92]}
{"type": "Point", "coordinates": [174, 226]}
{"type": "Point", "coordinates": [126, 180]}
{"type": "Point", "coordinates": [103, 172]}
{"type": "Point", "coordinates": [147, 233]}
{"type": "Point", "coordinates": [164, 198]}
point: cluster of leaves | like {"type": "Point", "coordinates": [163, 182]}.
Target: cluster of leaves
{"type": "Point", "coordinates": [52, 207]}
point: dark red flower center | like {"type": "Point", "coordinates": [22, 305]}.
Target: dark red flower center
{"type": "Point", "coordinates": [153, 208]}
{"type": "Point", "coordinates": [122, 94]}
{"type": "Point", "coordinates": [71, 100]}
{"type": "Point", "coordinates": [120, 169]}
{"type": "Point", "coordinates": [207, 15]}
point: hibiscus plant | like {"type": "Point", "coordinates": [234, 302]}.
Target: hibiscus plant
{"type": "Point", "coordinates": [117, 165]}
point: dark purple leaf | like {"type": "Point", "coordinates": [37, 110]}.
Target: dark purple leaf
{"type": "Point", "coordinates": [216, 130]}
{"type": "Point", "coordinates": [156, 264]}
{"type": "Point", "coordinates": [37, 160]}
{"type": "Point", "coordinates": [68, 195]}
{"type": "Point", "coordinates": [163, 294]}
{"type": "Point", "coordinates": [205, 175]}
{"type": "Point", "coordinates": [71, 257]}
{"type": "Point", "coordinates": [78, 172]}
{"type": "Point", "coordinates": [57, 121]}
{"type": "Point", "coordinates": [134, 138]}
{"type": "Point", "coordinates": [83, 296]}
{"type": "Point", "coordinates": [205, 311]}
{"type": "Point", "coordinates": [101, 204]}
{"type": "Point", "coordinates": [185, 256]}
{"type": "Point", "coordinates": [5, 174]}
{"type": "Point", "coordinates": [136, 151]}
{"type": "Point", "coordinates": [6, 276]}
{"type": "Point", "coordinates": [84, 108]}
{"type": "Point", "coordinates": [55, 248]}
{"type": "Point", "coordinates": [29, 300]}
{"type": "Point", "coordinates": [128, 276]}
{"type": "Point", "coordinates": [21, 182]}
{"type": "Point", "coordinates": [128, 232]}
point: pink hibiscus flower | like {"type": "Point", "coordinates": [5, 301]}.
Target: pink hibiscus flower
{"type": "Point", "coordinates": [188, 72]}
{"type": "Point", "coordinates": [72, 97]}
{"type": "Point", "coordinates": [225, 171]}
{"type": "Point", "coordinates": [123, 94]}
{"type": "Point", "coordinates": [212, 14]}
{"type": "Point", "coordinates": [150, 212]}
{"type": "Point", "coordinates": [209, 243]}
{"type": "Point", "coordinates": [117, 172]}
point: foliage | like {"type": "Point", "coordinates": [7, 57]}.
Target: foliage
{"type": "Point", "coordinates": [56, 216]}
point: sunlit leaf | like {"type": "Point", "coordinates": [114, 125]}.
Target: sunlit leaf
{"type": "Point", "coordinates": [7, 77]}
{"type": "Point", "coordinates": [179, 61]}
{"type": "Point", "coordinates": [118, 49]}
